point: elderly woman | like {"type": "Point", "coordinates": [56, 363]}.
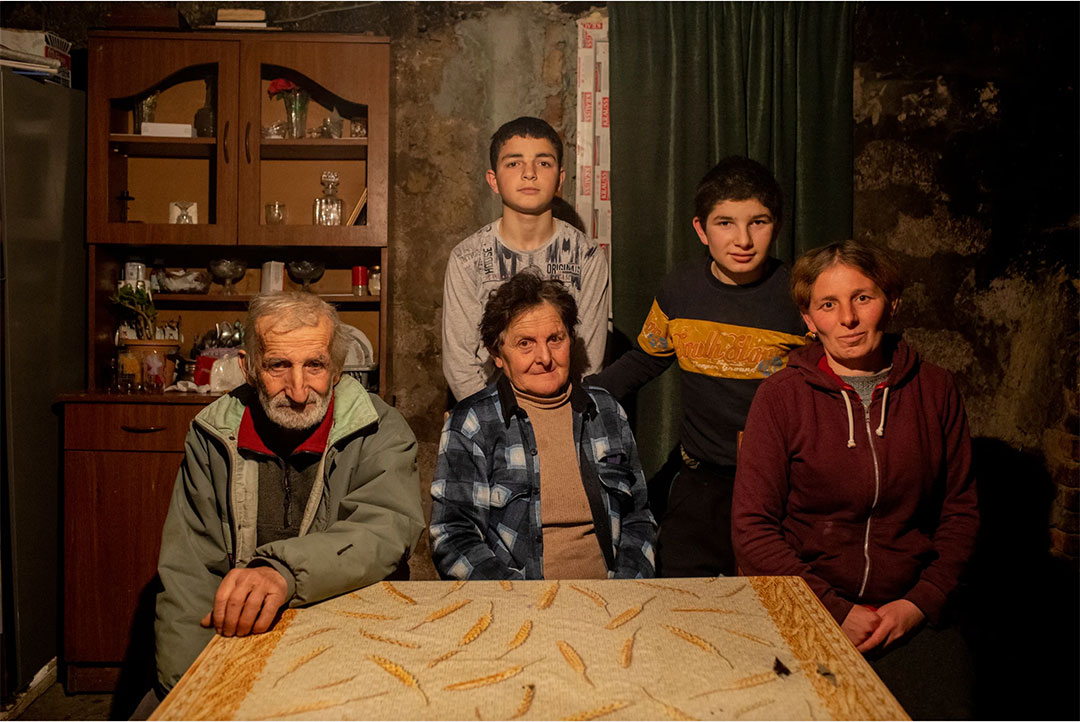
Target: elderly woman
{"type": "Point", "coordinates": [855, 474]}
{"type": "Point", "coordinates": [538, 476]}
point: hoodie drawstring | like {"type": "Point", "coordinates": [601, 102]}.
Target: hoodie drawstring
{"type": "Point", "coordinates": [881, 427]}
{"type": "Point", "coordinates": [850, 420]}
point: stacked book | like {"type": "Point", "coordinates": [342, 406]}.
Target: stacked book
{"type": "Point", "coordinates": [36, 54]}
{"type": "Point", "coordinates": [241, 19]}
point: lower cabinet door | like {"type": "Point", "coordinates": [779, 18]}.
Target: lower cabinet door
{"type": "Point", "coordinates": [114, 507]}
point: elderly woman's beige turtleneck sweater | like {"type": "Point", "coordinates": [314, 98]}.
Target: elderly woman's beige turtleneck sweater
{"type": "Point", "coordinates": [571, 550]}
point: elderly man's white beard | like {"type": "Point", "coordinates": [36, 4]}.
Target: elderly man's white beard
{"type": "Point", "coordinates": [282, 412]}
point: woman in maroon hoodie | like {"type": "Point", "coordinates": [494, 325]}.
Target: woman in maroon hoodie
{"type": "Point", "coordinates": [855, 472]}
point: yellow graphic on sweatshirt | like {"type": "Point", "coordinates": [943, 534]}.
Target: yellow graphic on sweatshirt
{"type": "Point", "coordinates": [717, 349]}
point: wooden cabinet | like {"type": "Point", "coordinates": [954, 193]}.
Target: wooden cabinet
{"type": "Point", "coordinates": [121, 455]}
{"type": "Point", "coordinates": [133, 177]}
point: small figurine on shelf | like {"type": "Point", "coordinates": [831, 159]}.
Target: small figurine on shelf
{"type": "Point", "coordinates": [296, 102]}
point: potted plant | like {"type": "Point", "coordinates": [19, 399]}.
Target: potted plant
{"type": "Point", "coordinates": [148, 362]}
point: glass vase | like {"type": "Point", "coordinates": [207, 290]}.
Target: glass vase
{"type": "Point", "coordinates": [296, 102]}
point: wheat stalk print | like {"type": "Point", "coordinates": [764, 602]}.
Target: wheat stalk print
{"type": "Point", "coordinates": [335, 684]}
{"type": "Point", "coordinates": [365, 615]}
{"type": "Point", "coordinates": [399, 673]}
{"type": "Point", "coordinates": [456, 586]}
{"type": "Point", "coordinates": [673, 711]}
{"type": "Point", "coordinates": [751, 637]}
{"type": "Point", "coordinates": [507, 585]}
{"type": "Point", "coordinates": [386, 640]}
{"type": "Point", "coordinates": [302, 661]}
{"type": "Point", "coordinates": [477, 629]}
{"type": "Point", "coordinates": [485, 681]}
{"type": "Point", "coordinates": [733, 592]}
{"type": "Point", "coordinates": [526, 701]}
{"type": "Point", "coordinates": [754, 680]}
{"type": "Point", "coordinates": [548, 597]}
{"type": "Point", "coordinates": [697, 642]}
{"type": "Point", "coordinates": [751, 707]}
{"type": "Point", "coordinates": [397, 593]}
{"type": "Point", "coordinates": [627, 615]}
{"type": "Point", "coordinates": [626, 654]}
{"type": "Point", "coordinates": [317, 706]}
{"type": "Point", "coordinates": [598, 712]}
{"type": "Point", "coordinates": [574, 660]}
{"type": "Point", "coordinates": [444, 612]}
{"type": "Point", "coordinates": [442, 657]}
{"type": "Point", "coordinates": [309, 635]}
{"type": "Point", "coordinates": [666, 588]}
{"type": "Point", "coordinates": [519, 638]}
{"type": "Point", "coordinates": [592, 595]}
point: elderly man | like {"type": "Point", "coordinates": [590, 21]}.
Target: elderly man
{"type": "Point", "coordinates": [295, 487]}
{"type": "Point", "coordinates": [538, 477]}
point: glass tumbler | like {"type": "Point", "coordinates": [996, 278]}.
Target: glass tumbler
{"type": "Point", "coordinates": [145, 109]}
{"type": "Point", "coordinates": [275, 213]}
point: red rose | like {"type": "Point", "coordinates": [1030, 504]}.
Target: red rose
{"type": "Point", "coordinates": [279, 86]}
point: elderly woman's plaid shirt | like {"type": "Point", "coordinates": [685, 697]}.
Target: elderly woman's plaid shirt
{"type": "Point", "coordinates": [485, 518]}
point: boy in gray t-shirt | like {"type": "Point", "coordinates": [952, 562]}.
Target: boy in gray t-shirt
{"type": "Point", "coordinates": [526, 173]}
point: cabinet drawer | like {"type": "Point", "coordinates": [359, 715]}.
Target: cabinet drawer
{"type": "Point", "coordinates": [128, 427]}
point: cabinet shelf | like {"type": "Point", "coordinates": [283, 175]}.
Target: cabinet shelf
{"type": "Point", "coordinates": [194, 299]}
{"type": "Point", "coordinates": [143, 146]}
{"type": "Point", "coordinates": [314, 149]}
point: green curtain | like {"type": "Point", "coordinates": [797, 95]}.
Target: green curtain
{"type": "Point", "coordinates": [692, 83]}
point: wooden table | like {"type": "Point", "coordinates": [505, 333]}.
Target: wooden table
{"type": "Point", "coordinates": [725, 648]}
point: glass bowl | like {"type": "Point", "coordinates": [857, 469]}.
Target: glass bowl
{"type": "Point", "coordinates": [305, 272]}
{"type": "Point", "coordinates": [226, 271]}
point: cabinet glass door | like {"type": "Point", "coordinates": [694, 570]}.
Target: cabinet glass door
{"type": "Point", "coordinates": [313, 128]}
{"type": "Point", "coordinates": [161, 142]}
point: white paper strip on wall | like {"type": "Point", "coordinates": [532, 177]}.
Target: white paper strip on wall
{"type": "Point", "coordinates": [583, 200]}
{"type": "Point", "coordinates": [593, 132]}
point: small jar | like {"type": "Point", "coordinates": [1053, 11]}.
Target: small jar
{"type": "Point", "coordinates": [375, 280]}
{"type": "Point", "coordinates": [153, 372]}
{"type": "Point", "coordinates": [276, 213]}
{"type": "Point", "coordinates": [359, 281]}
{"type": "Point", "coordinates": [128, 372]}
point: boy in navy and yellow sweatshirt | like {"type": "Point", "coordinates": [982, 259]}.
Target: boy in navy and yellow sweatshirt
{"type": "Point", "coordinates": [730, 322]}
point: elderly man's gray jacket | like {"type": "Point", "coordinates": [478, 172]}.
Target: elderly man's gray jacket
{"type": "Point", "coordinates": [362, 518]}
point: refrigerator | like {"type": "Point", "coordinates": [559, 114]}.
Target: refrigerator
{"type": "Point", "coordinates": [42, 354]}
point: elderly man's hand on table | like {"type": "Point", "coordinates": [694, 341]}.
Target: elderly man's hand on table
{"type": "Point", "coordinates": [246, 601]}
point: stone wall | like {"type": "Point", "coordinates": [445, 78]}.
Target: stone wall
{"type": "Point", "coordinates": [966, 167]}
